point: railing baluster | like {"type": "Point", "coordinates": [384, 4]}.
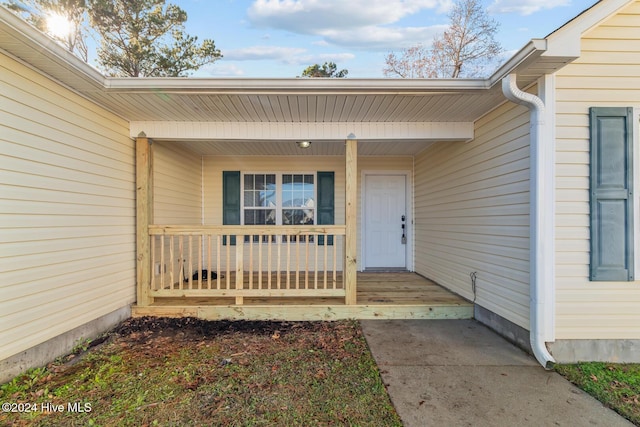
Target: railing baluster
{"type": "Point", "coordinates": [181, 261]}
{"type": "Point", "coordinates": [315, 268]}
{"type": "Point", "coordinates": [152, 280]}
{"type": "Point", "coordinates": [297, 248]}
{"type": "Point", "coordinates": [200, 242]}
{"type": "Point", "coordinates": [239, 267]}
{"type": "Point", "coordinates": [190, 263]}
{"type": "Point", "coordinates": [172, 261]}
{"type": "Point", "coordinates": [209, 270]}
{"type": "Point", "coordinates": [163, 263]}
{"type": "Point", "coordinates": [260, 237]}
{"type": "Point", "coordinates": [306, 261]}
{"type": "Point", "coordinates": [278, 265]}
{"type": "Point", "coordinates": [288, 261]}
{"type": "Point", "coordinates": [326, 259]}
{"type": "Point", "coordinates": [250, 262]}
{"type": "Point", "coordinates": [218, 238]}
{"type": "Point", "coordinates": [335, 261]}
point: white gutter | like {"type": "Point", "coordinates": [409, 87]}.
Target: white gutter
{"type": "Point", "coordinates": [540, 252]}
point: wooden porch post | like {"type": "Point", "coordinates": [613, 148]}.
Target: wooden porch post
{"type": "Point", "coordinates": [351, 204]}
{"type": "Point", "coordinates": [144, 217]}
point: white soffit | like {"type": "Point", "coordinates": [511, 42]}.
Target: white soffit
{"type": "Point", "coordinates": [289, 148]}
{"type": "Point", "coordinates": [431, 131]}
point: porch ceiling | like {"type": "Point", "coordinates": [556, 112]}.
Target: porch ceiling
{"type": "Point", "coordinates": [299, 100]}
{"type": "Point", "coordinates": [289, 148]}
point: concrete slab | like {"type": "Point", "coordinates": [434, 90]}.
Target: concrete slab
{"type": "Point", "coordinates": [460, 373]}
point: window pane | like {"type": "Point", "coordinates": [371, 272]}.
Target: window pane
{"type": "Point", "coordinates": [248, 198]}
{"type": "Point", "coordinates": [309, 201]}
{"type": "Point", "coordinates": [270, 196]}
{"type": "Point", "coordinates": [297, 217]}
{"type": "Point", "coordinates": [249, 217]}
{"type": "Point", "coordinates": [259, 217]}
{"type": "Point", "coordinates": [271, 180]}
{"type": "Point", "coordinates": [248, 182]}
{"type": "Point", "coordinates": [287, 179]}
{"type": "Point", "coordinates": [287, 196]}
{"type": "Point", "coordinates": [308, 179]}
{"type": "Point", "coordinates": [297, 179]}
{"type": "Point", "coordinates": [260, 184]}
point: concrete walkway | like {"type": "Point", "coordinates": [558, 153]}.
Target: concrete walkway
{"type": "Point", "coordinates": [460, 373]}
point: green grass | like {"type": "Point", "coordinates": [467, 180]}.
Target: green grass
{"type": "Point", "coordinates": [290, 374]}
{"type": "Point", "coordinates": [617, 386]}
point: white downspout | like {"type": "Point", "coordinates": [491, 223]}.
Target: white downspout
{"type": "Point", "coordinates": [541, 251]}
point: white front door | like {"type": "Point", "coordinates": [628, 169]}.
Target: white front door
{"type": "Point", "coordinates": [385, 213]}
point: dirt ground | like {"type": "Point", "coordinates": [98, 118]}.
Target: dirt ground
{"type": "Point", "coordinates": [186, 371]}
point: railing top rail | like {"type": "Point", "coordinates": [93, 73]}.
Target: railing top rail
{"type": "Point", "coordinates": [246, 229]}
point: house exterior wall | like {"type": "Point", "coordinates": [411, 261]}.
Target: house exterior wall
{"type": "Point", "coordinates": [605, 75]}
{"type": "Point", "coordinates": [214, 165]}
{"type": "Point", "coordinates": [472, 214]}
{"type": "Point", "coordinates": [177, 185]}
{"type": "Point", "coordinates": [67, 211]}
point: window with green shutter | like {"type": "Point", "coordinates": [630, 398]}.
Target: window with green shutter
{"type": "Point", "coordinates": [611, 131]}
{"type": "Point", "coordinates": [282, 199]}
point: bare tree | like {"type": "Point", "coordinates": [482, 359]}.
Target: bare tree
{"type": "Point", "coordinates": [413, 63]}
{"type": "Point", "coordinates": [463, 50]}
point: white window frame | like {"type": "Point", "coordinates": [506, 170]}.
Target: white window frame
{"type": "Point", "coordinates": [279, 185]}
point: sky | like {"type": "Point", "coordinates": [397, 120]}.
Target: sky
{"type": "Point", "coordinates": [280, 38]}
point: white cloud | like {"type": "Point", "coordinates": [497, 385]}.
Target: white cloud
{"type": "Point", "coordinates": [263, 52]}
{"type": "Point", "coordinates": [220, 69]}
{"type": "Point", "coordinates": [321, 58]}
{"type": "Point", "coordinates": [353, 23]}
{"type": "Point", "coordinates": [383, 38]}
{"type": "Point", "coordinates": [284, 55]}
{"type": "Point", "coordinates": [313, 16]}
{"type": "Point", "coordinates": [525, 7]}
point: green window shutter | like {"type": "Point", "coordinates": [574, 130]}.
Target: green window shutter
{"type": "Point", "coordinates": [230, 201]}
{"type": "Point", "coordinates": [326, 202]}
{"type": "Point", "coordinates": [611, 193]}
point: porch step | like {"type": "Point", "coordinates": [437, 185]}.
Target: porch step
{"type": "Point", "coordinates": [309, 312]}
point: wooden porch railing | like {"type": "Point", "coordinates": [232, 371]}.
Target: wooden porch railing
{"type": "Point", "coordinates": [246, 261]}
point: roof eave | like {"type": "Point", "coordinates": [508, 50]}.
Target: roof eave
{"type": "Point", "coordinates": [293, 85]}
{"type": "Point", "coordinates": [63, 65]}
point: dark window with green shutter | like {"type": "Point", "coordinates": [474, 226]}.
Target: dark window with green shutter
{"type": "Point", "coordinates": [611, 168]}
{"type": "Point", "coordinates": [259, 201]}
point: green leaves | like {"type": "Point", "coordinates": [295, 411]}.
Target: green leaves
{"type": "Point", "coordinates": [328, 69]}
{"type": "Point", "coordinates": [146, 38]}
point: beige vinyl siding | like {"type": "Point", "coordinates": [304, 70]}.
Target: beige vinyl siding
{"type": "Point", "coordinates": [472, 213]}
{"type": "Point", "coordinates": [177, 184]}
{"type": "Point", "coordinates": [606, 74]}
{"type": "Point", "coordinates": [177, 199]}
{"type": "Point", "coordinates": [67, 210]}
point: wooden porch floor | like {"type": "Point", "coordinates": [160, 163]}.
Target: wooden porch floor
{"type": "Point", "coordinates": [397, 295]}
